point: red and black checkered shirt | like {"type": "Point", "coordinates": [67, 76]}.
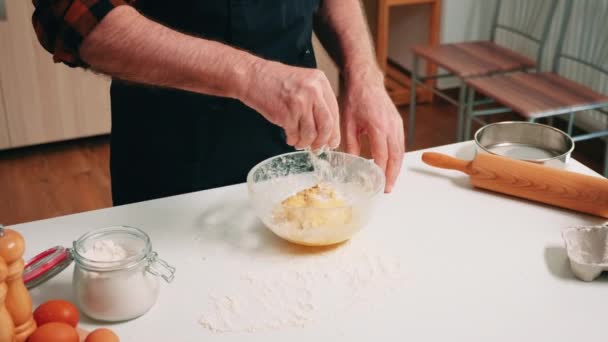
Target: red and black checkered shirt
{"type": "Point", "coordinates": [62, 25]}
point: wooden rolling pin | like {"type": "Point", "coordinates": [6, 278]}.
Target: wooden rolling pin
{"type": "Point", "coordinates": [531, 181]}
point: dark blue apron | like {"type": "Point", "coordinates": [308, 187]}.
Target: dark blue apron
{"type": "Point", "coordinates": [166, 142]}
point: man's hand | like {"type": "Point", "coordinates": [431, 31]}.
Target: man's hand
{"type": "Point", "coordinates": [299, 100]}
{"type": "Point", "coordinates": [367, 109]}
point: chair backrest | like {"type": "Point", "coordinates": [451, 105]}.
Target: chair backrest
{"type": "Point", "coordinates": [581, 52]}
{"type": "Point", "coordinates": [528, 19]}
{"type": "Point", "coordinates": [583, 38]}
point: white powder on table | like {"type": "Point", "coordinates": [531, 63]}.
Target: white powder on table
{"type": "Point", "coordinates": [302, 291]}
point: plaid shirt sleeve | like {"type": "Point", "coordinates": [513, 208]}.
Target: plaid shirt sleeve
{"type": "Point", "coordinates": [62, 25]}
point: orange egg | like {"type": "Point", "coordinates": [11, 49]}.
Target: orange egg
{"type": "Point", "coordinates": [57, 311]}
{"type": "Point", "coordinates": [55, 332]}
{"type": "Point", "coordinates": [102, 335]}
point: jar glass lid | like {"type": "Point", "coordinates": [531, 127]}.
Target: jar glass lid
{"type": "Point", "coordinates": [46, 265]}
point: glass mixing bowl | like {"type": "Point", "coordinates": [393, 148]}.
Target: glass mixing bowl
{"type": "Point", "coordinates": [358, 182]}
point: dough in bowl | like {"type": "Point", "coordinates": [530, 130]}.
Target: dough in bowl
{"type": "Point", "coordinates": [320, 206]}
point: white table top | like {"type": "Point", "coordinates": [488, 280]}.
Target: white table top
{"type": "Point", "coordinates": [472, 265]}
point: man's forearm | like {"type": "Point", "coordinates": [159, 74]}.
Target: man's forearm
{"type": "Point", "coordinates": [128, 46]}
{"type": "Point", "coordinates": [342, 29]}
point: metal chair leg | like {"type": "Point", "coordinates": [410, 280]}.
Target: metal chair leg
{"type": "Point", "coordinates": [469, 114]}
{"type": "Point", "coordinates": [412, 119]}
{"type": "Point", "coordinates": [571, 124]}
{"type": "Point", "coordinates": [461, 110]}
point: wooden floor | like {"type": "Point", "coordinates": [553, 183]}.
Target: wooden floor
{"type": "Point", "coordinates": [70, 177]}
{"type": "Point", "coordinates": [53, 180]}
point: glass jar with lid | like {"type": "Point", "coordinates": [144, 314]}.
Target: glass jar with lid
{"type": "Point", "coordinates": [116, 274]}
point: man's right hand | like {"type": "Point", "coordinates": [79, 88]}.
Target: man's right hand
{"type": "Point", "coordinates": [300, 100]}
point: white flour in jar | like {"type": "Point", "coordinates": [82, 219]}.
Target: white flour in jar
{"type": "Point", "coordinates": [106, 251]}
{"type": "Point", "coordinates": [114, 295]}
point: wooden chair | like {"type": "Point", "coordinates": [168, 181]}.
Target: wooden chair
{"type": "Point", "coordinates": [480, 58]}
{"type": "Point", "coordinates": [582, 44]}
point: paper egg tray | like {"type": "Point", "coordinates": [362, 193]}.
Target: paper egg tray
{"type": "Point", "coordinates": [587, 249]}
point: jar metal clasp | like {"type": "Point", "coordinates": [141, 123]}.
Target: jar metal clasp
{"type": "Point", "coordinates": [160, 268]}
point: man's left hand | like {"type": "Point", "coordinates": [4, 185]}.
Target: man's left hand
{"type": "Point", "coordinates": [367, 109]}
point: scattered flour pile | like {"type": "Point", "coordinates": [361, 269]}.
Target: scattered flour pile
{"type": "Point", "coordinates": [303, 289]}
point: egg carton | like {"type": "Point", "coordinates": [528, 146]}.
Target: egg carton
{"type": "Point", "coordinates": [587, 249]}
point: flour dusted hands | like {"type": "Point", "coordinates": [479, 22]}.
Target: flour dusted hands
{"type": "Point", "coordinates": [367, 109]}
{"type": "Point", "coordinates": [300, 100]}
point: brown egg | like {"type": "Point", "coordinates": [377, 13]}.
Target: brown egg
{"type": "Point", "coordinates": [102, 335]}
{"type": "Point", "coordinates": [57, 311]}
{"type": "Point", "coordinates": [54, 332]}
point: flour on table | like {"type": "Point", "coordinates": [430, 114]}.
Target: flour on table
{"type": "Point", "coordinates": [303, 290]}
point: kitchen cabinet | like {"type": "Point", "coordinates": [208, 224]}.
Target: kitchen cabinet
{"type": "Point", "coordinates": [44, 101]}
{"type": "Point", "coordinates": [4, 141]}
